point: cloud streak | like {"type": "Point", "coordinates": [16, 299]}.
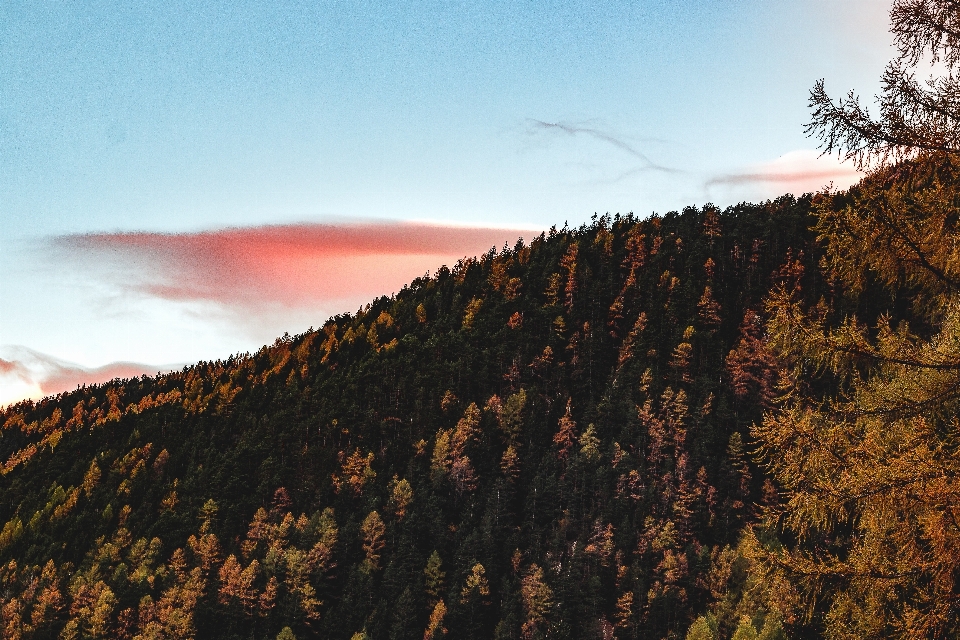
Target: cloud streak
{"type": "Point", "coordinates": [297, 265]}
{"type": "Point", "coordinates": [574, 130]}
{"type": "Point", "coordinates": [799, 171]}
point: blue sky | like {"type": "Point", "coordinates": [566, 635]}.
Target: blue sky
{"type": "Point", "coordinates": [180, 118]}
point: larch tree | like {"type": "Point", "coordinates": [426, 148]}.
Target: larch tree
{"type": "Point", "coordinates": [537, 602]}
{"type": "Point", "coordinates": [372, 533]}
{"type": "Point", "coordinates": [863, 441]}
{"type": "Point", "coordinates": [915, 117]}
{"type": "Point", "coordinates": [566, 436]}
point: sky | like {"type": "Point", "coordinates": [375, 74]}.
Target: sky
{"type": "Point", "coordinates": [186, 180]}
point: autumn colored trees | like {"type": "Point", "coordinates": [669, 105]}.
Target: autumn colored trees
{"type": "Point", "coordinates": [547, 441]}
{"type": "Point", "coordinates": [868, 470]}
{"type": "Point", "coordinates": [862, 437]}
{"type": "Point", "coordinates": [917, 117]}
{"type": "Point", "coordinates": [555, 440]}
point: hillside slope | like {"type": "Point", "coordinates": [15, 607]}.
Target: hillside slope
{"type": "Point", "coordinates": [547, 441]}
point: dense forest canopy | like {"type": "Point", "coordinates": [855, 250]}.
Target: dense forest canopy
{"type": "Point", "coordinates": [548, 441]}
{"type": "Point", "coordinates": [603, 433]}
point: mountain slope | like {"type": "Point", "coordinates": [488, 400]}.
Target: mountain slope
{"type": "Point", "coordinates": [548, 441]}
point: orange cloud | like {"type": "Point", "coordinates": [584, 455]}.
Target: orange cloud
{"type": "Point", "coordinates": [294, 265]}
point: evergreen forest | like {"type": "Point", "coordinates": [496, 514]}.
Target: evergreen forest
{"type": "Point", "coordinates": [552, 440]}
{"type": "Point", "coordinates": [711, 424]}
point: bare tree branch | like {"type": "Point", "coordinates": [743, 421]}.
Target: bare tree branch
{"type": "Point", "coordinates": [913, 119]}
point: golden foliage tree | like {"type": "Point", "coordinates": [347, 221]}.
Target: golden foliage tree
{"type": "Point", "coordinates": [537, 601]}
{"type": "Point", "coordinates": [372, 532]}
{"type": "Point", "coordinates": [401, 495]}
{"type": "Point", "coordinates": [357, 472]}
{"type": "Point", "coordinates": [449, 451]}
{"type": "Point", "coordinates": [870, 473]}
{"type": "Point", "coordinates": [476, 585]}
{"type": "Point", "coordinates": [435, 625]}
{"type": "Point", "coordinates": [566, 436]}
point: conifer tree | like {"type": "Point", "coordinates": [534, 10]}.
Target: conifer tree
{"type": "Point", "coordinates": [914, 119]}
{"type": "Point", "coordinates": [868, 468]}
{"type": "Point", "coordinates": [435, 624]}
{"type": "Point", "coordinates": [372, 531]}
{"type": "Point", "coordinates": [433, 576]}
{"type": "Point", "coordinates": [870, 473]}
{"type": "Point", "coordinates": [537, 602]}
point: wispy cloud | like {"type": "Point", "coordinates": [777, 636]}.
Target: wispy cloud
{"type": "Point", "coordinates": [798, 171]}
{"type": "Point", "coordinates": [293, 265]}
{"type": "Point", "coordinates": [784, 178]}
{"type": "Point", "coordinates": [25, 373]}
{"type": "Point", "coordinates": [582, 129]}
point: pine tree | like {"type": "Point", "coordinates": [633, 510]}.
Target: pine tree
{"type": "Point", "coordinates": [703, 628]}
{"type": "Point", "coordinates": [433, 577]}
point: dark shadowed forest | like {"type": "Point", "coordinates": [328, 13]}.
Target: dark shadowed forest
{"type": "Point", "coordinates": [552, 439]}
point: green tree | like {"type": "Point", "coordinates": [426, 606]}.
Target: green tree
{"type": "Point", "coordinates": [433, 576]}
{"type": "Point", "coordinates": [511, 417]}
{"type": "Point", "coordinates": [703, 628]}
{"type": "Point", "coordinates": [745, 630]}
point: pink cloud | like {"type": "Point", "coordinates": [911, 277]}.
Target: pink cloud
{"type": "Point", "coordinates": [293, 265]}
{"type": "Point", "coordinates": [798, 171]}
{"type": "Point", "coordinates": [67, 378]}
{"type": "Point", "coordinates": [31, 374]}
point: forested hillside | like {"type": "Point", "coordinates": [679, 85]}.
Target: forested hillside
{"type": "Point", "coordinates": [708, 425]}
{"type": "Point", "coordinates": [549, 441]}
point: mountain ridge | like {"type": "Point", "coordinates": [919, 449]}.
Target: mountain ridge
{"type": "Point", "coordinates": [545, 441]}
